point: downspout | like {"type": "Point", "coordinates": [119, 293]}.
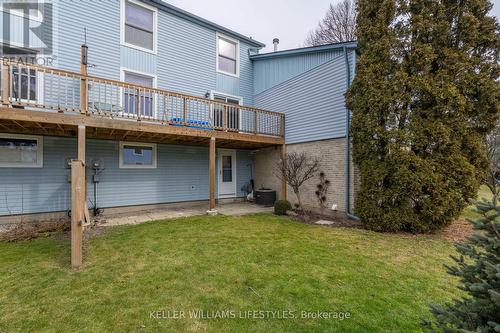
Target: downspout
{"type": "Point", "coordinates": [347, 144]}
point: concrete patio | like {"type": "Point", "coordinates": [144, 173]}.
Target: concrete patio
{"type": "Point", "coordinates": [145, 215]}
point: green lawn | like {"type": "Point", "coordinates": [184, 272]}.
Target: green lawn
{"type": "Point", "coordinates": [251, 263]}
{"type": "Point", "coordinates": [484, 193]}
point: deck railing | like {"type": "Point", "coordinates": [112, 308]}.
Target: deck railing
{"type": "Point", "coordinates": [44, 88]}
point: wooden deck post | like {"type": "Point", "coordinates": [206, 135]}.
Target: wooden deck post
{"type": "Point", "coordinates": [184, 111]}
{"type": "Point", "coordinates": [5, 84]}
{"type": "Point", "coordinates": [83, 82]}
{"type": "Point", "coordinates": [212, 173]}
{"type": "Point", "coordinates": [78, 200]}
{"type": "Point", "coordinates": [77, 212]}
{"type": "Point", "coordinates": [255, 122]}
{"type": "Point", "coordinates": [81, 143]}
{"type": "Point", "coordinates": [283, 194]}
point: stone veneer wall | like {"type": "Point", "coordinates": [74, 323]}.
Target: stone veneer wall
{"type": "Point", "coordinates": [332, 163]}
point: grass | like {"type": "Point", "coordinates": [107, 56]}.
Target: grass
{"type": "Point", "coordinates": [469, 213]}
{"type": "Point", "coordinates": [256, 262]}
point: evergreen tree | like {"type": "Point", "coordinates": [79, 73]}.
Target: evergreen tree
{"type": "Point", "coordinates": [424, 97]}
{"type": "Point", "coordinates": [479, 270]}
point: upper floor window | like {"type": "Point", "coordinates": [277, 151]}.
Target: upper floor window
{"type": "Point", "coordinates": [139, 25]}
{"type": "Point", "coordinates": [228, 55]}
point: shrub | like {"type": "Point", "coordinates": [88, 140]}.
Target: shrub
{"type": "Point", "coordinates": [322, 189]}
{"type": "Point", "coordinates": [295, 169]}
{"type": "Point", "coordinates": [281, 206]}
{"type": "Point", "coordinates": [425, 95]}
{"type": "Point", "coordinates": [478, 268]}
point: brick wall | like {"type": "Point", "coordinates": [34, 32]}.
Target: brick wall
{"type": "Point", "coordinates": [332, 163]}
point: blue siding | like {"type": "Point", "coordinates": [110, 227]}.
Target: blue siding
{"type": "Point", "coordinates": [181, 175]}
{"type": "Point", "coordinates": [244, 170]}
{"type": "Point", "coordinates": [273, 71]}
{"type": "Point", "coordinates": [186, 56]}
{"type": "Point", "coordinates": [137, 60]}
{"type": "Point", "coordinates": [31, 190]}
{"type": "Point", "coordinates": [313, 102]}
{"type": "Point", "coordinates": [102, 21]}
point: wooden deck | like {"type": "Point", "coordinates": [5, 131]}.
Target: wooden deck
{"type": "Point", "coordinates": [69, 104]}
{"type": "Point", "coordinates": [115, 110]}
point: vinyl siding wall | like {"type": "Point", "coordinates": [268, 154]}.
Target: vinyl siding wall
{"type": "Point", "coordinates": [273, 71]}
{"type": "Point", "coordinates": [181, 175]}
{"type": "Point", "coordinates": [312, 100]}
{"type": "Point", "coordinates": [186, 52]}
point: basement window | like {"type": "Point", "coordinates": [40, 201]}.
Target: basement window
{"type": "Point", "coordinates": [137, 155]}
{"type": "Point", "coordinates": [21, 151]}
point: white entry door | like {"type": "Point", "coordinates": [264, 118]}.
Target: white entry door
{"type": "Point", "coordinates": [227, 174]}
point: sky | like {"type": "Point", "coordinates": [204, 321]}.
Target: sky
{"type": "Point", "coordinates": [288, 20]}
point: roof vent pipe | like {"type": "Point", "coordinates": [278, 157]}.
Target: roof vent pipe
{"type": "Point", "coordinates": [276, 41]}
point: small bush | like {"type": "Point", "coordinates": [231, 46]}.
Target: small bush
{"type": "Point", "coordinates": [281, 206]}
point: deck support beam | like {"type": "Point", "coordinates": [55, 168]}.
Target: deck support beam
{"type": "Point", "coordinates": [77, 212]}
{"type": "Point", "coordinates": [212, 176]}
{"type": "Point", "coordinates": [78, 200]}
{"type": "Point", "coordinates": [283, 195]}
{"type": "Point", "coordinates": [5, 85]}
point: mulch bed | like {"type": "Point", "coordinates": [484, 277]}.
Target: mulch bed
{"type": "Point", "coordinates": [458, 231]}
{"type": "Point", "coordinates": [26, 231]}
{"type": "Point", "coordinates": [338, 219]}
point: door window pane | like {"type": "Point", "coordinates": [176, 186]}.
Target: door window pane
{"type": "Point", "coordinates": [232, 120]}
{"type": "Point", "coordinates": [227, 169]}
{"type": "Point", "coordinates": [145, 97]}
{"type": "Point", "coordinates": [24, 83]}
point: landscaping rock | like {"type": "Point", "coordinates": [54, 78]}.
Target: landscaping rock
{"type": "Point", "coordinates": [323, 222]}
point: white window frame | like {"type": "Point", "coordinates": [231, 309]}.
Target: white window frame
{"type": "Point", "coordinates": [232, 40]}
{"type": "Point", "coordinates": [155, 26]}
{"type": "Point", "coordinates": [39, 152]}
{"type": "Point", "coordinates": [39, 88]}
{"type": "Point", "coordinates": [124, 70]}
{"type": "Point", "coordinates": [138, 166]}
{"type": "Point", "coordinates": [17, 12]}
